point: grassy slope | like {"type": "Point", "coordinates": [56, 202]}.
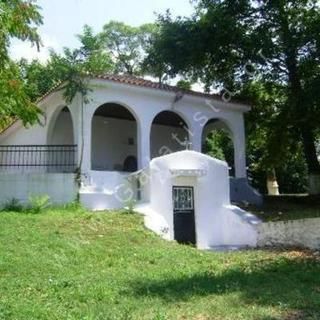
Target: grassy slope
{"type": "Point", "coordinates": [69, 264]}
{"type": "Point", "coordinates": [283, 208]}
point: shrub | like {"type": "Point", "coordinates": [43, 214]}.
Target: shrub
{"type": "Point", "coordinates": [13, 205]}
{"type": "Point", "coordinates": [37, 203]}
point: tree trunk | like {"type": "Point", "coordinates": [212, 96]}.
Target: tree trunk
{"type": "Point", "coordinates": [296, 100]}
{"type": "Point", "coordinates": [310, 152]}
{"type": "Point", "coordinates": [307, 134]}
{"type": "Point", "coordinates": [272, 184]}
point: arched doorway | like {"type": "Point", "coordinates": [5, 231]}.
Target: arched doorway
{"type": "Point", "coordinates": [169, 133]}
{"type": "Point", "coordinates": [114, 139]}
{"type": "Point", "coordinates": [217, 141]}
{"type": "Point", "coordinates": [60, 153]}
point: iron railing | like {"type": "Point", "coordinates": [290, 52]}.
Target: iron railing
{"type": "Point", "coordinates": [49, 158]}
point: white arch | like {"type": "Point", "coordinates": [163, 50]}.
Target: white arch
{"type": "Point", "coordinates": [172, 141]}
{"type": "Point", "coordinates": [116, 102]}
{"type": "Point", "coordinates": [53, 122]}
{"type": "Point", "coordinates": [111, 164]}
{"type": "Point", "coordinates": [219, 124]}
{"type": "Point", "coordinates": [226, 125]}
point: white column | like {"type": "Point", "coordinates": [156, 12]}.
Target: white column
{"type": "Point", "coordinates": [240, 149]}
{"type": "Point", "coordinates": [144, 127]}
{"type": "Point", "coordinates": [195, 136]}
{"type": "Point", "coordinates": [84, 137]}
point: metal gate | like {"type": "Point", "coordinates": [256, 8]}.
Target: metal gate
{"type": "Point", "coordinates": [183, 212]}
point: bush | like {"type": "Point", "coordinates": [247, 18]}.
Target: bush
{"type": "Point", "coordinates": [37, 203]}
{"type": "Point", "coordinates": [13, 205]}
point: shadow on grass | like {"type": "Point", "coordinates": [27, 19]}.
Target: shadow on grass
{"type": "Point", "coordinates": [293, 285]}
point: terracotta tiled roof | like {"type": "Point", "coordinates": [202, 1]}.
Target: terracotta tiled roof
{"type": "Point", "coordinates": [134, 81]}
{"type": "Point", "coordinates": [140, 82]}
{"type": "Point", "coordinates": [53, 89]}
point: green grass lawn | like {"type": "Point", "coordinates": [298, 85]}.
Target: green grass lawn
{"type": "Point", "coordinates": [71, 264]}
{"type": "Point", "coordinates": [287, 207]}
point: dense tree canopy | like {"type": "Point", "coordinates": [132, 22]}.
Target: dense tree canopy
{"type": "Point", "coordinates": [126, 45]}
{"type": "Point", "coordinates": [228, 44]}
{"type": "Point", "coordinates": [18, 19]}
{"type": "Point", "coordinates": [118, 48]}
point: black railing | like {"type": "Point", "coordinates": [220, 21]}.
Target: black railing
{"type": "Point", "coordinates": [49, 158]}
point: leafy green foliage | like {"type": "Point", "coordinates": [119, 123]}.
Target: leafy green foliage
{"type": "Point", "coordinates": [37, 203]}
{"type": "Point", "coordinates": [126, 45]}
{"type": "Point", "coordinates": [18, 19]}
{"type": "Point", "coordinates": [213, 146]}
{"type": "Point", "coordinates": [71, 68]}
{"type": "Point", "coordinates": [220, 146]}
{"type": "Point", "coordinates": [268, 148]}
{"type": "Point", "coordinates": [184, 84]}
{"type": "Point", "coordinates": [15, 101]}
{"type": "Point", "coordinates": [39, 78]}
{"type": "Point", "coordinates": [117, 49]}
{"type": "Point", "coordinates": [12, 205]}
{"type": "Point", "coordinates": [92, 54]}
{"type": "Point", "coordinates": [228, 44]}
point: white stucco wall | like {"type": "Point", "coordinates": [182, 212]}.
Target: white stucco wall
{"type": "Point", "coordinates": [38, 133]}
{"type": "Point", "coordinates": [34, 135]}
{"type": "Point", "coordinates": [61, 188]}
{"type": "Point", "coordinates": [303, 233]}
{"type": "Point", "coordinates": [61, 134]}
{"type": "Point", "coordinates": [217, 222]}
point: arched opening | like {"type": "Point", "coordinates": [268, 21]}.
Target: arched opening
{"type": "Point", "coordinates": [60, 153]}
{"type": "Point", "coordinates": [217, 142]}
{"type": "Point", "coordinates": [169, 133]}
{"type": "Point", "coordinates": [114, 139]}
{"type": "Point", "coordinates": [61, 132]}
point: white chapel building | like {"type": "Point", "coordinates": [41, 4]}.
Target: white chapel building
{"type": "Point", "coordinates": [102, 149]}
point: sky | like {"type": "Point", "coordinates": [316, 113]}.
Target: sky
{"type": "Point", "coordinates": [63, 19]}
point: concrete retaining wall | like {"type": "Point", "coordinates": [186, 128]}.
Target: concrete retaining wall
{"type": "Point", "coordinates": [61, 188]}
{"type": "Point", "coordinates": [301, 233]}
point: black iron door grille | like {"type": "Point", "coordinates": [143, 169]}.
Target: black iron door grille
{"type": "Point", "coordinates": [183, 211]}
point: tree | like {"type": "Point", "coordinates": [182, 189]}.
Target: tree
{"type": "Point", "coordinates": [288, 167]}
{"type": "Point", "coordinates": [92, 54]}
{"type": "Point", "coordinates": [38, 78]}
{"type": "Point", "coordinates": [18, 19]}
{"type": "Point", "coordinates": [184, 84]}
{"type": "Point", "coordinates": [70, 67]}
{"type": "Point", "coordinates": [126, 45]}
{"type": "Point", "coordinates": [219, 145]}
{"type": "Point", "coordinates": [230, 43]}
